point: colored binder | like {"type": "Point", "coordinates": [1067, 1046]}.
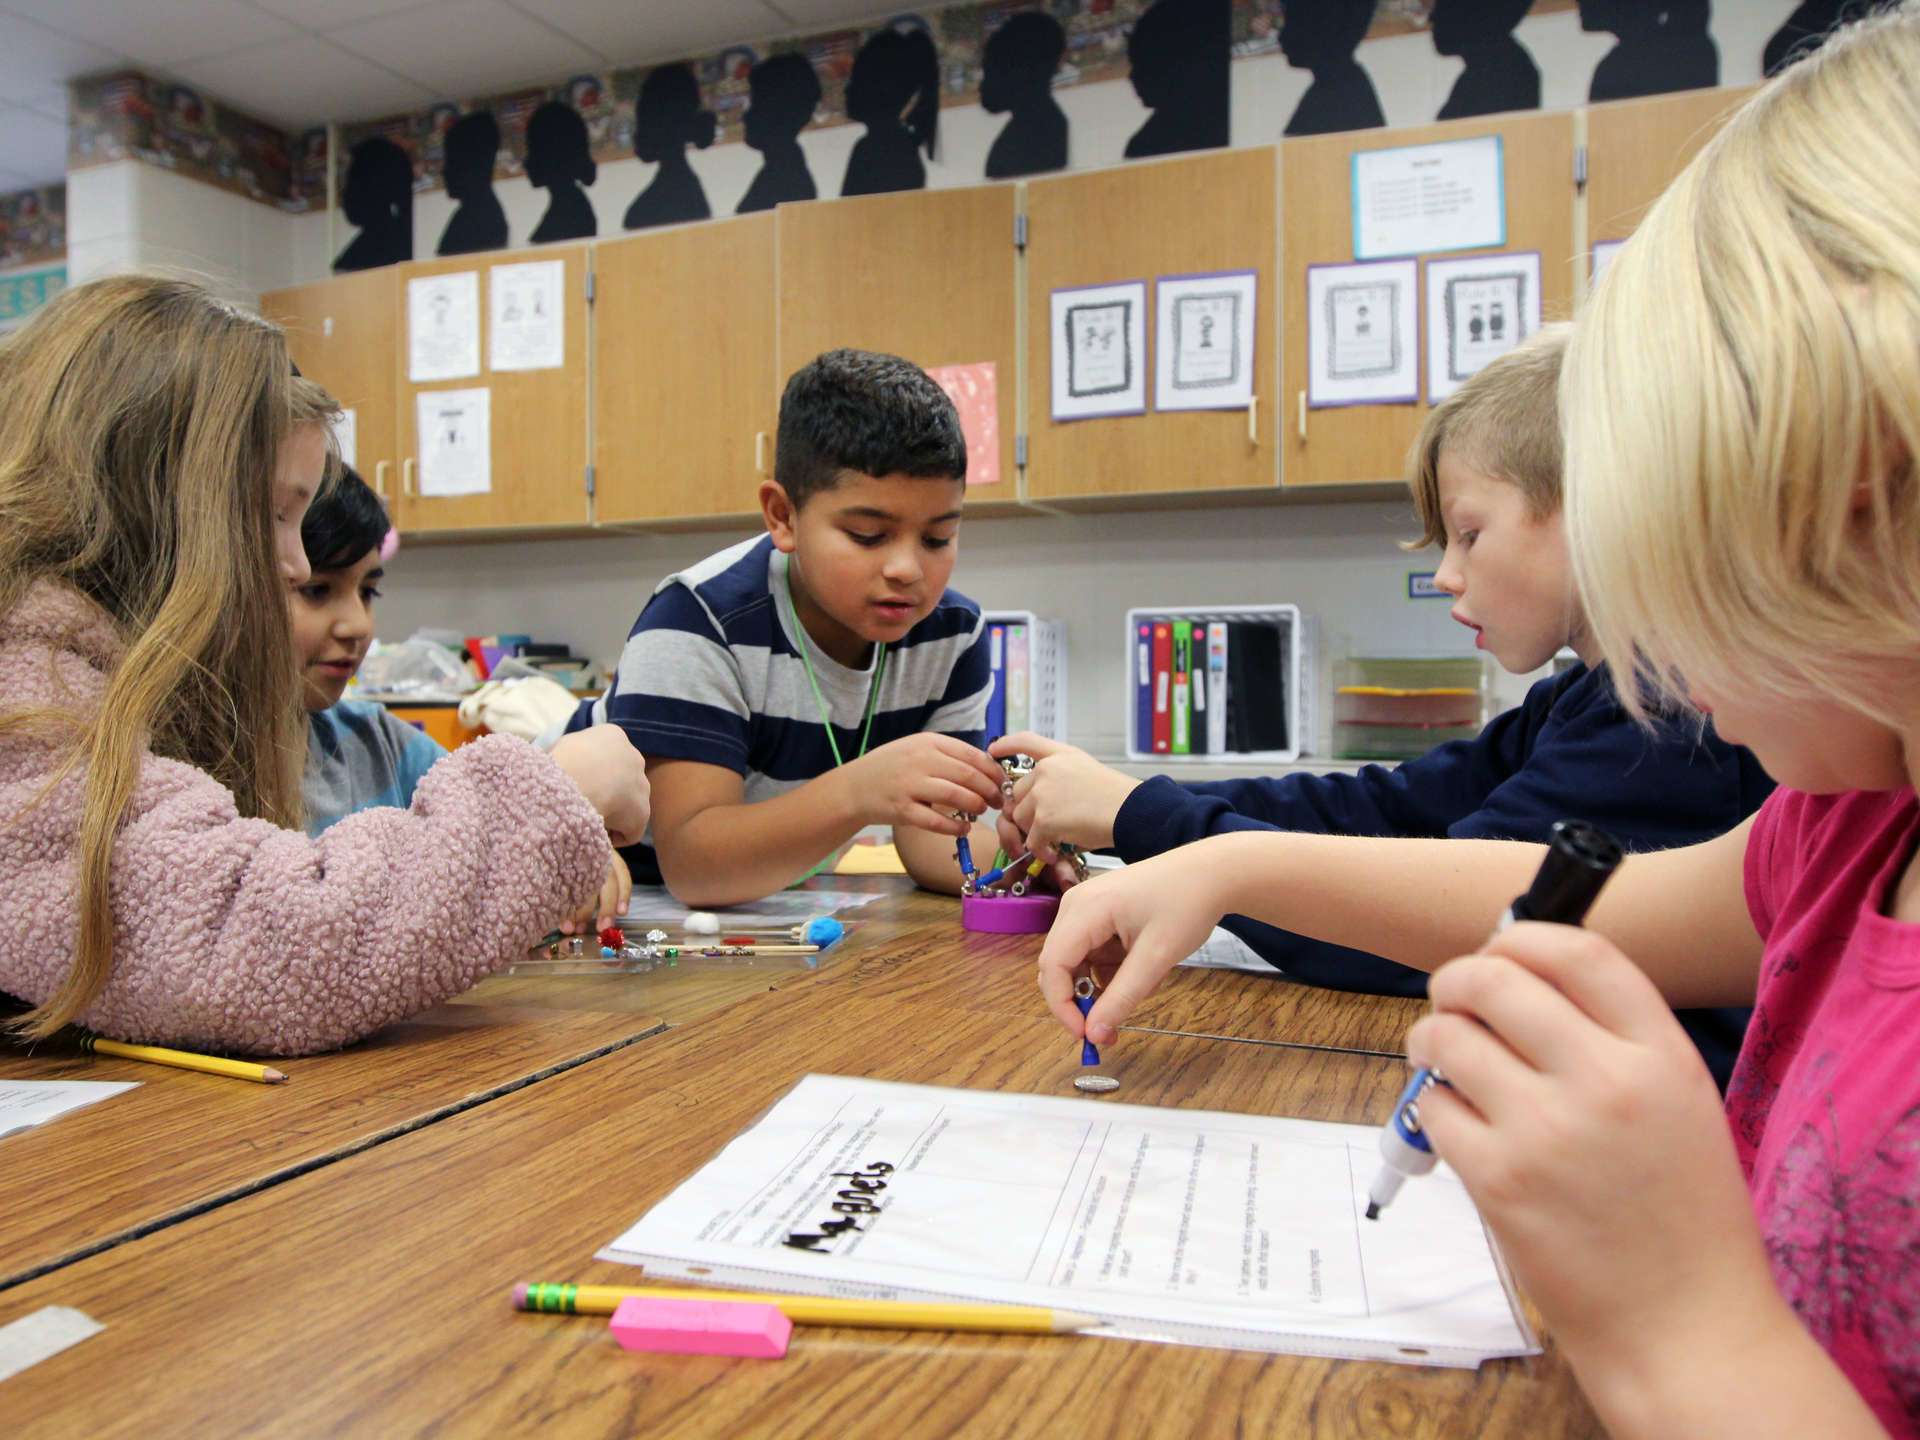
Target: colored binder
{"type": "Point", "coordinates": [997, 702]}
{"type": "Point", "coordinates": [1162, 687]}
{"type": "Point", "coordinates": [1182, 692]}
{"type": "Point", "coordinates": [1256, 692]}
{"type": "Point", "coordinates": [1218, 694]}
{"type": "Point", "coordinates": [1143, 687]}
{"type": "Point", "coordinates": [1197, 688]}
{"type": "Point", "coordinates": [1019, 680]}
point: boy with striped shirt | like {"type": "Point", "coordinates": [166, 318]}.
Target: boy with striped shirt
{"type": "Point", "coordinates": [819, 678]}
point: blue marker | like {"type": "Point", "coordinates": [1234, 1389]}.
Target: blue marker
{"type": "Point", "coordinates": [1083, 1001]}
{"type": "Point", "coordinates": [1580, 858]}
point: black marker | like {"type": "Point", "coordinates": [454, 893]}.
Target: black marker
{"type": "Point", "coordinates": [1580, 858]}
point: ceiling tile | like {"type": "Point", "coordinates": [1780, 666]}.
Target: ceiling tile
{"type": "Point", "coordinates": [36, 63]}
{"type": "Point", "coordinates": [832, 14]}
{"type": "Point", "coordinates": [623, 31]}
{"type": "Point", "coordinates": [459, 48]}
{"type": "Point", "coordinates": [304, 81]}
{"type": "Point", "coordinates": [325, 14]}
{"type": "Point", "coordinates": [32, 145]}
{"type": "Point", "coordinates": [157, 32]}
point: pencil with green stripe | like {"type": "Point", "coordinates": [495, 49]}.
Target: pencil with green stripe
{"type": "Point", "coordinates": [820, 1309]}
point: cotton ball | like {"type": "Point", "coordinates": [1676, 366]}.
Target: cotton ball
{"type": "Point", "coordinates": [702, 922]}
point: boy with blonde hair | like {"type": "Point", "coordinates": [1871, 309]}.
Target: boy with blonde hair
{"type": "Point", "coordinates": [1485, 476]}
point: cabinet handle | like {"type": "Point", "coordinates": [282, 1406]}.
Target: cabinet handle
{"type": "Point", "coordinates": [1253, 423]}
{"type": "Point", "coordinates": [380, 478]}
{"type": "Point", "coordinates": [1303, 417]}
{"type": "Point", "coordinates": [406, 477]}
{"type": "Point", "coordinates": [760, 452]}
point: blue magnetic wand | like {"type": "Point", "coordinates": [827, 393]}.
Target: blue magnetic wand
{"type": "Point", "coordinates": [1083, 1001]}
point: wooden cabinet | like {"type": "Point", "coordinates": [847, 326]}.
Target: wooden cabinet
{"type": "Point", "coordinates": [1636, 148]}
{"type": "Point", "coordinates": [1192, 215]}
{"type": "Point", "coordinates": [341, 333]}
{"type": "Point", "coordinates": [685, 385]}
{"type": "Point", "coordinates": [1368, 443]}
{"type": "Point", "coordinates": [539, 417]}
{"type": "Point", "coordinates": [930, 275]}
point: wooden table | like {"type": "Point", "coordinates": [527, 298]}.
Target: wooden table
{"type": "Point", "coordinates": [925, 955]}
{"type": "Point", "coordinates": [183, 1141]}
{"type": "Point", "coordinates": [370, 1297]}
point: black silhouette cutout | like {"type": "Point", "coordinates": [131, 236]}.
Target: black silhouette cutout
{"type": "Point", "coordinates": [667, 119]}
{"type": "Point", "coordinates": [782, 94]}
{"type": "Point", "coordinates": [1500, 74]}
{"type": "Point", "coordinates": [895, 92]}
{"type": "Point", "coordinates": [1807, 28]}
{"type": "Point", "coordinates": [559, 159]}
{"type": "Point", "coordinates": [1664, 46]}
{"type": "Point", "coordinates": [473, 145]}
{"type": "Point", "coordinates": [1017, 78]}
{"type": "Point", "coordinates": [1320, 36]}
{"type": "Point", "coordinates": [1179, 53]}
{"type": "Point", "coordinates": [379, 199]}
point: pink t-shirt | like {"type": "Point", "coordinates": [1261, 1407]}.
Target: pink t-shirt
{"type": "Point", "coordinates": [1825, 1098]}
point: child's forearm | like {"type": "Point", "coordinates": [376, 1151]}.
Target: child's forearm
{"type": "Point", "coordinates": [731, 854]}
{"type": "Point", "coordinates": [929, 856]}
{"type": "Point", "coordinates": [1418, 902]}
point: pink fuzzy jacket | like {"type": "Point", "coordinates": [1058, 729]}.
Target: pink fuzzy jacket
{"type": "Point", "coordinates": [234, 934]}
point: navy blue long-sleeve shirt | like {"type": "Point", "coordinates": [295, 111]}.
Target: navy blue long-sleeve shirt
{"type": "Point", "coordinates": [1568, 751]}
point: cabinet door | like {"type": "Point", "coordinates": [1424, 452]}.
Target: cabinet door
{"type": "Point", "coordinates": [538, 417]}
{"type": "Point", "coordinates": [928, 275]}
{"type": "Point", "coordinates": [1368, 443]}
{"type": "Point", "coordinates": [340, 333]}
{"type": "Point", "coordinates": [1636, 148]}
{"type": "Point", "coordinates": [683, 371]}
{"type": "Point", "coordinates": [1189, 216]}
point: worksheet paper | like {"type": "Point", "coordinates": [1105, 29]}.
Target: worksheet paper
{"type": "Point", "coordinates": [1189, 1226]}
{"type": "Point", "coordinates": [1416, 199]}
{"type": "Point", "coordinates": [1363, 329]}
{"type": "Point", "coordinates": [1203, 341]}
{"type": "Point", "coordinates": [1099, 350]}
{"type": "Point", "coordinates": [27, 1103]}
{"type": "Point", "coordinates": [527, 322]}
{"type": "Point", "coordinates": [443, 327]}
{"type": "Point", "coordinates": [456, 441]}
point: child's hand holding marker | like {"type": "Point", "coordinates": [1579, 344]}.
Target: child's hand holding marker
{"type": "Point", "coordinates": [1146, 918]}
{"type": "Point", "coordinates": [1588, 1131]}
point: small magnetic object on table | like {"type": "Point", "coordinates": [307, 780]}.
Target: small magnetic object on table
{"type": "Point", "coordinates": [702, 1327]}
{"type": "Point", "coordinates": [1096, 1084]}
{"type": "Point", "coordinates": [1083, 1002]}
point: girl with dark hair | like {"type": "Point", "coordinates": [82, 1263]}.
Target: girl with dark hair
{"type": "Point", "coordinates": [560, 159]}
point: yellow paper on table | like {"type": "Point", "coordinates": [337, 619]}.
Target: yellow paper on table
{"type": "Point", "coordinates": [870, 860]}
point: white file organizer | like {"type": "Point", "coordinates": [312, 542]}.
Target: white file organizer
{"type": "Point", "coordinates": [1296, 668]}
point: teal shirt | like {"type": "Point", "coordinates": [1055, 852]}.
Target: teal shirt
{"type": "Point", "coordinates": [359, 757]}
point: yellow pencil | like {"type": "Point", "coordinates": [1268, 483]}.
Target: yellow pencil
{"type": "Point", "coordinates": [185, 1060]}
{"type": "Point", "coordinates": [820, 1309]}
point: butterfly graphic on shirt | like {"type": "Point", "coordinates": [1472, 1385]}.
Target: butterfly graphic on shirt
{"type": "Point", "coordinates": [1845, 1245]}
{"type": "Point", "coordinates": [1755, 1084]}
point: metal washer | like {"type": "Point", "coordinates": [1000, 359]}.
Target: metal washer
{"type": "Point", "coordinates": [1096, 1084]}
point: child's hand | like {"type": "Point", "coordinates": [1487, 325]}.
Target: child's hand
{"type": "Point", "coordinates": [922, 780]}
{"type": "Point", "coordinates": [1591, 1136]}
{"type": "Point", "coordinates": [1069, 796]}
{"type": "Point", "coordinates": [611, 774]}
{"type": "Point", "coordinates": [1155, 914]}
{"type": "Point", "coordinates": [610, 904]}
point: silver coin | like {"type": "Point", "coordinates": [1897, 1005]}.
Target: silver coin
{"type": "Point", "coordinates": [1096, 1084]}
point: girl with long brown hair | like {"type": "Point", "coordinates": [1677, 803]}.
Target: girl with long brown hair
{"type": "Point", "coordinates": [157, 454]}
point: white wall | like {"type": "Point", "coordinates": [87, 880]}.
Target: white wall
{"type": "Point", "coordinates": [131, 215]}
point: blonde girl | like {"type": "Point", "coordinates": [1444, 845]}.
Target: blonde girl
{"type": "Point", "coordinates": [157, 454]}
{"type": "Point", "coordinates": [1741, 409]}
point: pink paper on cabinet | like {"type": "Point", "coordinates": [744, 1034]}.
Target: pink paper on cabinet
{"type": "Point", "coordinates": [976, 396]}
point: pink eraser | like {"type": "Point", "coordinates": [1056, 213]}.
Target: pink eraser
{"type": "Point", "coordinates": [1008, 914]}
{"type": "Point", "coordinates": [702, 1327]}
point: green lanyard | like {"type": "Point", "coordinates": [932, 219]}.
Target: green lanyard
{"type": "Point", "coordinates": [826, 714]}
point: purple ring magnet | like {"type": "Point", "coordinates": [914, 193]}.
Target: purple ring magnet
{"type": "Point", "coordinates": [1009, 914]}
